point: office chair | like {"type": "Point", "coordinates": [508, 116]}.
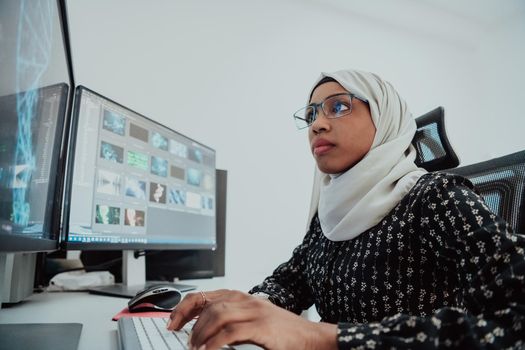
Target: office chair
{"type": "Point", "coordinates": [434, 151]}
{"type": "Point", "coordinates": [501, 182]}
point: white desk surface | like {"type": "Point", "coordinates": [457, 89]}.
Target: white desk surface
{"type": "Point", "coordinates": [93, 311]}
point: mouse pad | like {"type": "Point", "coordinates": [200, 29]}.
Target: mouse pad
{"type": "Point", "coordinates": [125, 313]}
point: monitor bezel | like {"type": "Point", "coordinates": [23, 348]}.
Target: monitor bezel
{"type": "Point", "coordinates": [21, 244]}
{"type": "Point", "coordinates": [65, 244]}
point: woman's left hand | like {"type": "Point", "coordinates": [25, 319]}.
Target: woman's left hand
{"type": "Point", "coordinates": [237, 317]}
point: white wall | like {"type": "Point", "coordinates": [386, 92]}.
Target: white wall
{"type": "Point", "coordinates": [230, 74]}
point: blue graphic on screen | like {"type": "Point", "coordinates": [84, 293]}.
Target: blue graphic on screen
{"type": "Point", "coordinates": [207, 203]}
{"type": "Point", "coordinates": [159, 166]}
{"type": "Point", "coordinates": [177, 196]}
{"type": "Point", "coordinates": [32, 60]}
{"type": "Point", "coordinates": [196, 155]}
{"type": "Point", "coordinates": [114, 123]}
{"type": "Point", "coordinates": [135, 188]}
{"type": "Point", "coordinates": [159, 141]}
{"type": "Point", "coordinates": [107, 215]}
{"type": "Point", "coordinates": [111, 152]}
{"type": "Point", "coordinates": [194, 177]}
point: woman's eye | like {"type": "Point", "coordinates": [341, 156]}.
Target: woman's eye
{"type": "Point", "coordinates": [339, 107]}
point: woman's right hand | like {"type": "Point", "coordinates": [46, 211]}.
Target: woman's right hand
{"type": "Point", "coordinates": [234, 317]}
{"type": "Point", "coordinates": [193, 303]}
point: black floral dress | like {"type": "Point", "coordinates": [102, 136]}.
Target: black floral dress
{"type": "Point", "coordinates": [439, 271]}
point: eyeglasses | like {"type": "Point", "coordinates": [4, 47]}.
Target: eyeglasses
{"type": "Point", "coordinates": [334, 106]}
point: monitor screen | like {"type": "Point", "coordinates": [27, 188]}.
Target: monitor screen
{"type": "Point", "coordinates": [34, 88]}
{"type": "Point", "coordinates": [136, 184]}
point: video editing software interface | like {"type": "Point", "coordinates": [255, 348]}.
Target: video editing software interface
{"type": "Point", "coordinates": [135, 181]}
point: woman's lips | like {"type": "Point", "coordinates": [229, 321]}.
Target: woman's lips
{"type": "Point", "coordinates": [321, 147]}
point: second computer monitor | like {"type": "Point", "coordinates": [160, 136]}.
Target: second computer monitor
{"type": "Point", "coordinates": [136, 184]}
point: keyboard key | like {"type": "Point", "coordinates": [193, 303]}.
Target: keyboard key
{"type": "Point", "coordinates": [141, 334]}
{"type": "Point", "coordinates": [169, 337]}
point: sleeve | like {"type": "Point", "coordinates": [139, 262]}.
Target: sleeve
{"type": "Point", "coordinates": [287, 286]}
{"type": "Point", "coordinates": [489, 264]}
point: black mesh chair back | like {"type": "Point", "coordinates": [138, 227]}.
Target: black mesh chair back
{"type": "Point", "coordinates": [433, 148]}
{"type": "Point", "coordinates": [501, 182]}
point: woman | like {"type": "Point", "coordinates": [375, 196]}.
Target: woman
{"type": "Point", "coordinates": [394, 257]}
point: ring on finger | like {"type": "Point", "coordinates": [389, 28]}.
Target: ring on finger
{"type": "Point", "coordinates": [204, 300]}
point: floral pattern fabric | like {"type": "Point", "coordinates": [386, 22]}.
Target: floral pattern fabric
{"type": "Point", "coordinates": [439, 271]}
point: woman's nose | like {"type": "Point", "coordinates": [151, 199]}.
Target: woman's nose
{"type": "Point", "coordinates": [321, 123]}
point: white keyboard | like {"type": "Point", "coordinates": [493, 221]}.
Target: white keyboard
{"type": "Point", "coordinates": [150, 333]}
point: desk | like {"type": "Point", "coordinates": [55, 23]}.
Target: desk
{"type": "Point", "coordinates": [93, 311]}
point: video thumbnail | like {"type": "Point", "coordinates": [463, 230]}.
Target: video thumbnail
{"type": "Point", "coordinates": [193, 200]}
{"type": "Point", "coordinates": [159, 166]}
{"type": "Point", "coordinates": [177, 172]}
{"type": "Point", "coordinates": [177, 196]}
{"type": "Point", "coordinates": [134, 217]}
{"type": "Point", "coordinates": [157, 193]}
{"type": "Point", "coordinates": [111, 152]}
{"type": "Point", "coordinates": [195, 155]}
{"type": "Point", "coordinates": [135, 188]}
{"type": "Point", "coordinates": [108, 182]}
{"type": "Point", "coordinates": [178, 149]}
{"type": "Point", "coordinates": [138, 160]}
{"type": "Point", "coordinates": [114, 122]}
{"type": "Point", "coordinates": [159, 141]}
{"type": "Point", "coordinates": [138, 132]}
{"type": "Point", "coordinates": [207, 203]}
{"type": "Point", "coordinates": [194, 177]}
{"type": "Point", "coordinates": [107, 215]}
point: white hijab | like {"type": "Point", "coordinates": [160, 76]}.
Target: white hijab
{"type": "Point", "coordinates": [352, 202]}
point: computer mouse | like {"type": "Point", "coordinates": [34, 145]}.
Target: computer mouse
{"type": "Point", "coordinates": [160, 297]}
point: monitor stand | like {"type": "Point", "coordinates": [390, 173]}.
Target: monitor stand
{"type": "Point", "coordinates": [17, 276]}
{"type": "Point", "coordinates": [134, 279]}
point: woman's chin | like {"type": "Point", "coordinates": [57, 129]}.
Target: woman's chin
{"type": "Point", "coordinates": [333, 169]}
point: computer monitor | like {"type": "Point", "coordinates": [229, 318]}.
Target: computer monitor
{"type": "Point", "coordinates": [35, 96]}
{"type": "Point", "coordinates": [135, 184]}
{"type": "Point", "coordinates": [172, 265]}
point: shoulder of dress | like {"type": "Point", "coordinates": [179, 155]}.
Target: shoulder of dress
{"type": "Point", "coordinates": [442, 179]}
